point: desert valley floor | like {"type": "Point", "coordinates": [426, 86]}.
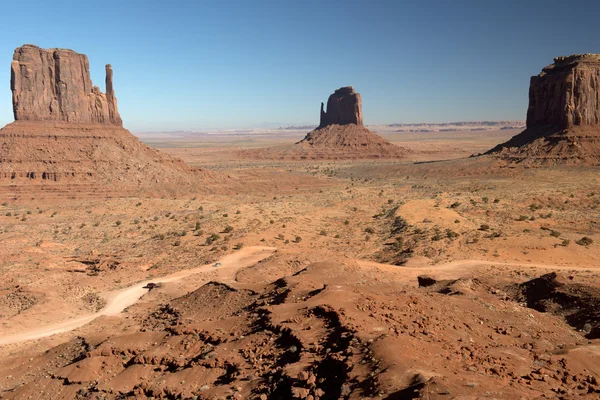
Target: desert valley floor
{"type": "Point", "coordinates": [437, 276]}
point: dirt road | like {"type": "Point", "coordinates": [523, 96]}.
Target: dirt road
{"type": "Point", "coordinates": [119, 300]}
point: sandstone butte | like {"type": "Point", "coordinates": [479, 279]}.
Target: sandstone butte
{"type": "Point", "coordinates": [66, 130]}
{"type": "Point", "coordinates": [563, 117]}
{"type": "Point", "coordinates": [341, 132]}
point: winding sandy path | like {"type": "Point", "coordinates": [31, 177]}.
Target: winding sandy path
{"type": "Point", "coordinates": [119, 300]}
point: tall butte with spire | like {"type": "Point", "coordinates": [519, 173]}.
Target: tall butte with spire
{"type": "Point", "coordinates": [68, 132]}
{"type": "Point", "coordinates": [341, 133]}
{"type": "Point", "coordinates": [563, 117]}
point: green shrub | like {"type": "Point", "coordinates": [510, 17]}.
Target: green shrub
{"type": "Point", "coordinates": [584, 241]}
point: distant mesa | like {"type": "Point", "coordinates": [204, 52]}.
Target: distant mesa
{"type": "Point", "coordinates": [66, 130]}
{"type": "Point", "coordinates": [563, 118]}
{"type": "Point", "coordinates": [342, 135]}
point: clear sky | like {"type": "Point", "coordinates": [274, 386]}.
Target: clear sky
{"type": "Point", "coordinates": [183, 65]}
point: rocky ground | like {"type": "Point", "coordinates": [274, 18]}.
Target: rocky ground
{"type": "Point", "coordinates": [461, 279]}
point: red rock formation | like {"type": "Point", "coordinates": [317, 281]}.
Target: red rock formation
{"type": "Point", "coordinates": [67, 132]}
{"type": "Point", "coordinates": [565, 94]}
{"type": "Point", "coordinates": [563, 118]}
{"type": "Point", "coordinates": [342, 135]}
{"type": "Point", "coordinates": [55, 85]}
{"type": "Point", "coordinates": [344, 107]}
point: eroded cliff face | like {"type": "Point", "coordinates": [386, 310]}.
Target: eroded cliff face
{"type": "Point", "coordinates": [566, 93]}
{"type": "Point", "coordinates": [563, 118]}
{"type": "Point", "coordinates": [344, 107]}
{"type": "Point", "coordinates": [55, 85]}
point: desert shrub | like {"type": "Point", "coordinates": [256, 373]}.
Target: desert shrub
{"type": "Point", "coordinates": [455, 204]}
{"type": "Point", "coordinates": [177, 243]}
{"type": "Point", "coordinates": [485, 199]}
{"type": "Point", "coordinates": [399, 225]}
{"type": "Point", "coordinates": [323, 233]}
{"type": "Point", "coordinates": [399, 242]}
{"type": "Point", "coordinates": [523, 218]}
{"type": "Point", "coordinates": [369, 230]}
{"type": "Point", "coordinates": [484, 227]}
{"type": "Point", "coordinates": [298, 239]}
{"type": "Point", "coordinates": [238, 246]}
{"type": "Point", "coordinates": [197, 227]}
{"type": "Point", "coordinates": [496, 201]}
{"type": "Point", "coordinates": [8, 214]}
{"type": "Point", "coordinates": [565, 242]}
{"type": "Point", "coordinates": [584, 241]}
{"type": "Point", "coordinates": [225, 215]}
{"type": "Point", "coordinates": [238, 212]}
{"type": "Point", "coordinates": [212, 238]}
{"type": "Point", "coordinates": [228, 229]}
{"type": "Point", "coordinates": [346, 222]}
{"type": "Point", "coordinates": [337, 236]}
{"type": "Point", "coordinates": [118, 223]}
{"type": "Point", "coordinates": [450, 234]}
{"type": "Point", "coordinates": [534, 207]}
{"type": "Point", "coordinates": [281, 236]}
{"type": "Point", "coordinates": [138, 204]}
{"type": "Point", "coordinates": [555, 233]}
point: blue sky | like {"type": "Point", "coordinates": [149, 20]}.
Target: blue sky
{"type": "Point", "coordinates": [182, 65]}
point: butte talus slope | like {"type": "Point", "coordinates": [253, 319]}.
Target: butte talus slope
{"type": "Point", "coordinates": [563, 118]}
{"type": "Point", "coordinates": [341, 131]}
{"type": "Point", "coordinates": [340, 135]}
{"type": "Point", "coordinates": [67, 131]}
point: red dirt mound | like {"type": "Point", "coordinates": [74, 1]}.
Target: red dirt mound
{"type": "Point", "coordinates": [329, 331]}
{"type": "Point", "coordinates": [334, 142]}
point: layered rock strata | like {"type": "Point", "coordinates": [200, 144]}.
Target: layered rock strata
{"type": "Point", "coordinates": [563, 117]}
{"type": "Point", "coordinates": [55, 85]}
{"type": "Point", "coordinates": [67, 131]}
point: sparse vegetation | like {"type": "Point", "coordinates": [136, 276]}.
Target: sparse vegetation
{"type": "Point", "coordinates": [584, 241]}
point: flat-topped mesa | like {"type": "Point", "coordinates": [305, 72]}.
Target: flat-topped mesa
{"type": "Point", "coordinates": [55, 85]}
{"type": "Point", "coordinates": [344, 107]}
{"type": "Point", "coordinates": [565, 94]}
